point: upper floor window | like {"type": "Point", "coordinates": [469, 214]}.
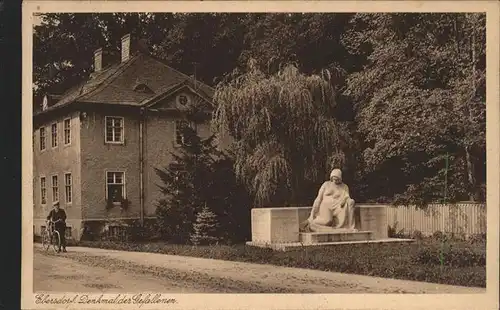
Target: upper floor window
{"type": "Point", "coordinates": [180, 125]}
{"type": "Point", "coordinates": [42, 138]}
{"type": "Point", "coordinates": [54, 135]}
{"type": "Point", "coordinates": [67, 131]}
{"type": "Point", "coordinates": [114, 129]}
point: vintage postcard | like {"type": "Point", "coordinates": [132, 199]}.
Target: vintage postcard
{"type": "Point", "coordinates": [260, 155]}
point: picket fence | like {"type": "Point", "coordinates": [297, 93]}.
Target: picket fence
{"type": "Point", "coordinates": [461, 218]}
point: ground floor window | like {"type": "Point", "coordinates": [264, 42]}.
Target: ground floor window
{"type": "Point", "coordinates": [43, 190]}
{"type": "Point", "coordinates": [115, 186]}
{"type": "Point", "coordinates": [67, 233]}
{"type": "Point", "coordinates": [55, 189]}
{"type": "Point", "coordinates": [117, 233]}
{"type": "Point", "coordinates": [68, 184]}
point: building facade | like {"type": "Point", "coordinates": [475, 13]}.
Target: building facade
{"type": "Point", "coordinates": [96, 146]}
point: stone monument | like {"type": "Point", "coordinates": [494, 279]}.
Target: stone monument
{"type": "Point", "coordinates": [330, 221]}
{"type": "Point", "coordinates": [333, 208]}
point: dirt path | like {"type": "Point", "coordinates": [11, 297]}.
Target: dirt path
{"type": "Point", "coordinates": [59, 274]}
{"type": "Point", "coordinates": [158, 272]}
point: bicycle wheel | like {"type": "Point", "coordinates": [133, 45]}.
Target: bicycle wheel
{"type": "Point", "coordinates": [46, 240]}
{"type": "Point", "coordinates": [56, 240]}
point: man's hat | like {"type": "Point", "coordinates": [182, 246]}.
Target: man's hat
{"type": "Point", "coordinates": [55, 203]}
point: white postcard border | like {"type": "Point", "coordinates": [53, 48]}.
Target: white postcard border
{"type": "Point", "coordinates": [488, 300]}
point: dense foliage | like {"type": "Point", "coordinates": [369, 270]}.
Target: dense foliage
{"type": "Point", "coordinates": [286, 132]}
{"type": "Point", "coordinates": [201, 177]}
{"type": "Point", "coordinates": [419, 99]}
{"type": "Point", "coordinates": [405, 93]}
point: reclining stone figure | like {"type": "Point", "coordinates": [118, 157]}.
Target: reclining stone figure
{"type": "Point", "coordinates": [333, 208]}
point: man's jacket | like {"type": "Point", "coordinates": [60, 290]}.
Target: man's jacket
{"type": "Point", "coordinates": [57, 215]}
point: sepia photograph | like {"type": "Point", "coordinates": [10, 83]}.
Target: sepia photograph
{"type": "Point", "coordinates": [255, 152]}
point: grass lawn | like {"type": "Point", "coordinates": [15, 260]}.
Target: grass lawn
{"type": "Point", "coordinates": [457, 263]}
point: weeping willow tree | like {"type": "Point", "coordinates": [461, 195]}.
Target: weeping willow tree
{"type": "Point", "coordinates": [286, 137]}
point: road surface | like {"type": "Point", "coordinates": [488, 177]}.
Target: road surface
{"type": "Point", "coordinates": [59, 274]}
{"type": "Point", "coordinates": [99, 270]}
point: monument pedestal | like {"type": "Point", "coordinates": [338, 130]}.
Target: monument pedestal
{"type": "Point", "coordinates": [275, 225]}
{"type": "Point", "coordinates": [373, 217]}
{"type": "Point", "coordinates": [322, 237]}
{"type": "Point", "coordinates": [278, 228]}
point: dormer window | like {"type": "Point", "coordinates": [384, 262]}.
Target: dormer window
{"type": "Point", "coordinates": [142, 88]}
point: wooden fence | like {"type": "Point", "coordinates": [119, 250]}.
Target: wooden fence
{"type": "Point", "coordinates": [461, 218]}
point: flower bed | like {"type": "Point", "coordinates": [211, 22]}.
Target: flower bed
{"type": "Point", "coordinates": [455, 263]}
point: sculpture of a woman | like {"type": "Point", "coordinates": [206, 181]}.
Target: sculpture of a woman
{"type": "Point", "coordinates": [333, 208]}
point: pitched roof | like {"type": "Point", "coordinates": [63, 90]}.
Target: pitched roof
{"type": "Point", "coordinates": [172, 89]}
{"type": "Point", "coordinates": [115, 85]}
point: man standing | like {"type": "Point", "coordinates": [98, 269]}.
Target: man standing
{"type": "Point", "coordinates": [58, 216]}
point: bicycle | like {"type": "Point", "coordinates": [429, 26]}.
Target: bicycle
{"type": "Point", "coordinates": [51, 237]}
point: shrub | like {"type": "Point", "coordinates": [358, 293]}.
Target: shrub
{"type": "Point", "coordinates": [460, 236]}
{"type": "Point", "coordinates": [392, 232]}
{"type": "Point", "coordinates": [438, 235]}
{"type": "Point", "coordinates": [205, 228]}
{"type": "Point", "coordinates": [174, 222]}
{"type": "Point", "coordinates": [146, 232]}
{"type": "Point", "coordinates": [477, 238]}
{"type": "Point", "coordinates": [417, 234]}
{"type": "Point", "coordinates": [91, 231]}
{"type": "Point", "coordinates": [451, 257]}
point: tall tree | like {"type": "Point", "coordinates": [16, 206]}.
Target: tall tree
{"type": "Point", "coordinates": [311, 40]}
{"type": "Point", "coordinates": [287, 137]}
{"type": "Point", "coordinates": [200, 176]}
{"type": "Point", "coordinates": [420, 98]}
{"type": "Point", "coordinates": [208, 45]}
{"type": "Point", "coordinates": [185, 184]}
{"type": "Point", "coordinates": [64, 44]}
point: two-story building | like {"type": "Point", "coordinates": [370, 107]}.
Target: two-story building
{"type": "Point", "coordinates": [97, 145]}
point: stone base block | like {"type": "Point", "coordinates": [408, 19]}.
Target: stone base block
{"type": "Point", "coordinates": [275, 225]}
{"type": "Point", "coordinates": [373, 218]}
{"type": "Point", "coordinates": [322, 237]}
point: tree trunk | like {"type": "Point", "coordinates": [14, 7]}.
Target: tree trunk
{"type": "Point", "coordinates": [470, 165]}
{"type": "Point", "coordinates": [470, 174]}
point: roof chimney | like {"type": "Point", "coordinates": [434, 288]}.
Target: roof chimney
{"type": "Point", "coordinates": [98, 60]}
{"type": "Point", "coordinates": [126, 47]}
